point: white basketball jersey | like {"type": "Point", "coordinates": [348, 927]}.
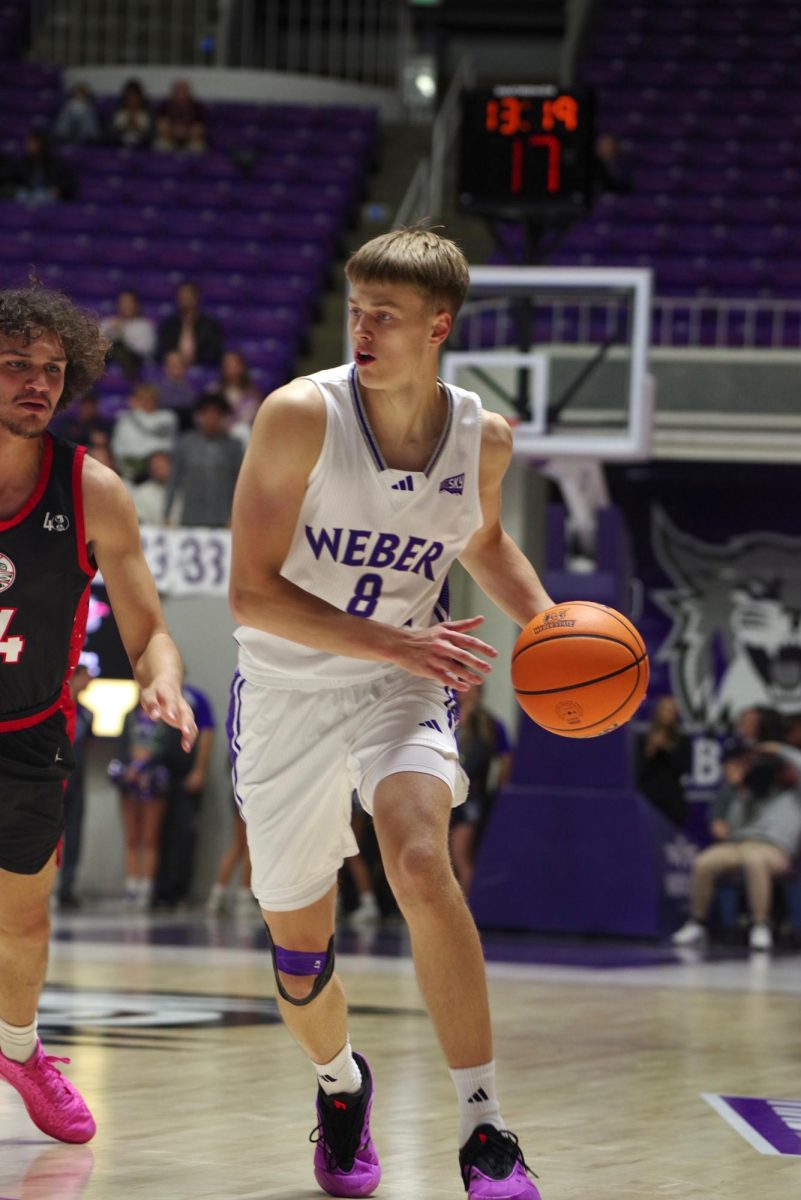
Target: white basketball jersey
{"type": "Point", "coordinates": [371, 540]}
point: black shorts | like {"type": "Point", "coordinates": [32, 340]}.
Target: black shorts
{"type": "Point", "coordinates": [35, 764]}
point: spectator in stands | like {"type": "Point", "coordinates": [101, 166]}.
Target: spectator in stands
{"type": "Point", "coordinates": [663, 760]}
{"type": "Point", "coordinates": [150, 496]}
{"type": "Point", "coordinates": [83, 422]}
{"type": "Point", "coordinates": [220, 899]}
{"type": "Point", "coordinates": [485, 753]}
{"type": "Point", "coordinates": [206, 466]}
{"type": "Point", "coordinates": [78, 121]}
{"type": "Point", "coordinates": [131, 122]}
{"type": "Point", "coordinates": [241, 393]}
{"type": "Point", "coordinates": [174, 387]}
{"type": "Point", "coordinates": [792, 730]}
{"type": "Point", "coordinates": [196, 335]}
{"type": "Point", "coordinates": [141, 430]}
{"type": "Point", "coordinates": [142, 775]}
{"type": "Point", "coordinates": [104, 455]}
{"type": "Point", "coordinates": [41, 176]}
{"type": "Point", "coordinates": [367, 910]}
{"type": "Point", "coordinates": [74, 788]}
{"type": "Point", "coordinates": [8, 176]}
{"type": "Point", "coordinates": [756, 820]}
{"type": "Point", "coordinates": [181, 121]}
{"type": "Point", "coordinates": [132, 335]}
{"type": "Point", "coordinates": [189, 774]}
{"type": "Point", "coordinates": [612, 173]}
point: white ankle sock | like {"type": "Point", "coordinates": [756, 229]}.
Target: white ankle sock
{"type": "Point", "coordinates": [17, 1041]}
{"type": "Point", "coordinates": [478, 1102]}
{"type": "Point", "coordinates": [341, 1074]}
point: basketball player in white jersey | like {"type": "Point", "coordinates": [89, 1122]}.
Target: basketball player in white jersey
{"type": "Point", "coordinates": [360, 487]}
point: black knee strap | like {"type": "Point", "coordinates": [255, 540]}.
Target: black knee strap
{"type": "Point", "coordinates": [303, 962]}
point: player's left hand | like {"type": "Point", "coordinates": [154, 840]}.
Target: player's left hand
{"type": "Point", "coordinates": [163, 701]}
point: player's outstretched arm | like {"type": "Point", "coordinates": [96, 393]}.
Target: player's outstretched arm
{"type": "Point", "coordinates": [285, 444]}
{"type": "Point", "coordinates": [112, 533]}
{"type": "Point", "coordinates": [498, 565]}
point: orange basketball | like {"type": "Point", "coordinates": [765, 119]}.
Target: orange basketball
{"type": "Point", "coordinates": [580, 669]}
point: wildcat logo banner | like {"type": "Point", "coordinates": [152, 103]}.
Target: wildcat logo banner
{"type": "Point", "coordinates": [735, 612]}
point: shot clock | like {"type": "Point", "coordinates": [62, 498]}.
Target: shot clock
{"type": "Point", "coordinates": [526, 148]}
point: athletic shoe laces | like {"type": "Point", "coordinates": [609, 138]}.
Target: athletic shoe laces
{"type": "Point", "coordinates": [495, 1152]}
{"type": "Point", "coordinates": [340, 1131]}
{"type": "Point", "coordinates": [54, 1075]}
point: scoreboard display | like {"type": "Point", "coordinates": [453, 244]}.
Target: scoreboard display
{"type": "Point", "coordinates": [526, 148]}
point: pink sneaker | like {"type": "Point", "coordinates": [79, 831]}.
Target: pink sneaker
{"type": "Point", "coordinates": [53, 1104]}
{"type": "Point", "coordinates": [345, 1161]}
{"type": "Point", "coordinates": [493, 1167]}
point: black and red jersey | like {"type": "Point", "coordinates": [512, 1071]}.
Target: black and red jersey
{"type": "Point", "coordinates": [45, 572]}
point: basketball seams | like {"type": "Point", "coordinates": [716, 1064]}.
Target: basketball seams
{"type": "Point", "coordinates": [608, 612]}
{"type": "Point", "coordinates": [569, 687]}
{"type": "Point", "coordinates": [619, 617]}
{"type": "Point", "coordinates": [580, 698]}
{"type": "Point", "coordinates": [582, 729]}
{"type": "Point", "coordinates": [563, 637]}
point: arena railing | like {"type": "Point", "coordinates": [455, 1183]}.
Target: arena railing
{"type": "Point", "coordinates": [357, 40]}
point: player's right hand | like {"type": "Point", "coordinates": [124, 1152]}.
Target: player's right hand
{"type": "Point", "coordinates": [446, 652]}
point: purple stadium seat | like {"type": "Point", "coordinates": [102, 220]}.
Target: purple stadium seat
{"type": "Point", "coordinates": [738, 277]}
{"type": "Point", "coordinates": [785, 278]}
{"type": "Point", "coordinates": [683, 275]}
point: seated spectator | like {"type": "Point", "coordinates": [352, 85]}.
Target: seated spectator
{"type": "Point", "coordinates": [41, 176]}
{"type": "Point", "coordinates": [78, 121]}
{"type": "Point", "coordinates": [197, 336]}
{"type": "Point", "coordinates": [132, 335]}
{"type": "Point", "coordinates": [82, 422]}
{"type": "Point", "coordinates": [141, 430]}
{"type": "Point", "coordinates": [181, 121]}
{"type": "Point", "coordinates": [612, 173]}
{"type": "Point", "coordinates": [663, 760]}
{"type": "Point", "coordinates": [206, 466]}
{"type": "Point", "coordinates": [756, 820]}
{"type": "Point", "coordinates": [241, 393]}
{"type": "Point", "coordinates": [150, 496]}
{"type": "Point", "coordinates": [174, 387]}
{"type": "Point", "coordinates": [131, 122]}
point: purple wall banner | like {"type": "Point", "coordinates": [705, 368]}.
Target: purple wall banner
{"type": "Point", "coordinates": [771, 1126]}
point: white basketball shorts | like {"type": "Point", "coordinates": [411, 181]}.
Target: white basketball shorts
{"type": "Point", "coordinates": [298, 754]}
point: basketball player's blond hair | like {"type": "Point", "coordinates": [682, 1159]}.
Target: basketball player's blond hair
{"type": "Point", "coordinates": [418, 258]}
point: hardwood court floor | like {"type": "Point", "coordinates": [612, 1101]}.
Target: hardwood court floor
{"type": "Point", "coordinates": [602, 1061]}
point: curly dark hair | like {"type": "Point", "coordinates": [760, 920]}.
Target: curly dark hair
{"type": "Point", "coordinates": [31, 312]}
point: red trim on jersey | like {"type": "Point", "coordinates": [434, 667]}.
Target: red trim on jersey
{"type": "Point", "coordinates": [28, 722]}
{"type": "Point", "coordinates": [77, 638]}
{"type": "Point", "coordinates": [77, 501]}
{"type": "Point", "coordinates": [38, 491]}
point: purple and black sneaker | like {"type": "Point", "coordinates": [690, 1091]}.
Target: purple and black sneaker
{"type": "Point", "coordinates": [493, 1167]}
{"type": "Point", "coordinates": [345, 1161]}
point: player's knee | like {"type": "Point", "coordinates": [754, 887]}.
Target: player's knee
{"type": "Point", "coordinates": [31, 921]}
{"type": "Point", "coordinates": [297, 989]}
{"type": "Point", "coordinates": [421, 874]}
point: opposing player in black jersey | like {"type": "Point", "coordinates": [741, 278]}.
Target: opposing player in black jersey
{"type": "Point", "coordinates": [62, 516]}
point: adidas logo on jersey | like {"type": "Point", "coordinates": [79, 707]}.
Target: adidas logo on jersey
{"type": "Point", "coordinates": [453, 484]}
{"type": "Point", "coordinates": [431, 725]}
{"type": "Point", "coordinates": [404, 485]}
